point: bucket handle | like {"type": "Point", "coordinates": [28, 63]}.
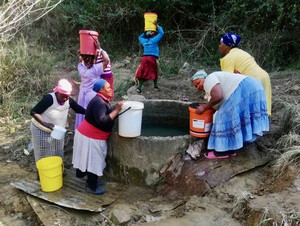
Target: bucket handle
{"type": "Point", "coordinates": [93, 37]}
{"type": "Point", "coordinates": [124, 111]}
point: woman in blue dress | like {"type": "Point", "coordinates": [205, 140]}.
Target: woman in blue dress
{"type": "Point", "coordinates": [241, 111]}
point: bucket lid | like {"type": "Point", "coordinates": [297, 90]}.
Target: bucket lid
{"type": "Point", "coordinates": [132, 105]}
{"type": "Point", "coordinates": [95, 33]}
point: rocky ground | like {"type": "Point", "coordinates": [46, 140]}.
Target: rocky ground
{"type": "Point", "coordinates": [255, 197]}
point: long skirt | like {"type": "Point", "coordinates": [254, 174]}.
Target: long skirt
{"type": "Point", "coordinates": [241, 118]}
{"type": "Point", "coordinates": [147, 69]}
{"type": "Point", "coordinates": [44, 145]}
{"type": "Point", "coordinates": [84, 98]}
{"type": "Point", "coordinates": [89, 154]}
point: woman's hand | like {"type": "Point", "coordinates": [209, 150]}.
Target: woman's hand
{"type": "Point", "coordinates": [119, 105]}
{"type": "Point", "coordinates": [48, 125]}
{"type": "Point", "coordinates": [97, 44]}
{"type": "Point", "coordinates": [200, 109]}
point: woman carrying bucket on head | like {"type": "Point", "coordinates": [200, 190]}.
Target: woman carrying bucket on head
{"type": "Point", "coordinates": [241, 113]}
{"type": "Point", "coordinates": [52, 110]}
{"type": "Point", "coordinates": [90, 140]}
{"type": "Point", "coordinates": [148, 67]}
{"type": "Point", "coordinates": [94, 64]}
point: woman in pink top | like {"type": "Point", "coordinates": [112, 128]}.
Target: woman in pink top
{"type": "Point", "coordinates": [236, 60]}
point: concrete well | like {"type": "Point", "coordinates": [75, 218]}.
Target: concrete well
{"type": "Point", "coordinates": [139, 160]}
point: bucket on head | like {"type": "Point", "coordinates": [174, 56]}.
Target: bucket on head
{"type": "Point", "coordinates": [58, 132]}
{"type": "Point", "coordinates": [150, 19]}
{"type": "Point", "coordinates": [200, 124]}
{"type": "Point", "coordinates": [130, 119]}
{"type": "Point", "coordinates": [87, 42]}
{"type": "Point", "coordinates": [50, 172]}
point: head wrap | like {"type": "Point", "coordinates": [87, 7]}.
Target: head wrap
{"type": "Point", "coordinates": [99, 85]}
{"type": "Point", "coordinates": [199, 74]}
{"type": "Point", "coordinates": [231, 40]}
{"type": "Point", "coordinates": [63, 87]}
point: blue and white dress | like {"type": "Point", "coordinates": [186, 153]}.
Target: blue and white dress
{"type": "Point", "coordinates": [242, 115]}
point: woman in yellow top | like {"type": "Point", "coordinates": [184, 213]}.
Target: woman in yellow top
{"type": "Point", "coordinates": [236, 60]}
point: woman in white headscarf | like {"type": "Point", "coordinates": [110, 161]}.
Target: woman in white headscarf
{"type": "Point", "coordinates": [241, 113]}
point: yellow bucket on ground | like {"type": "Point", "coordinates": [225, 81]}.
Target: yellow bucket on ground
{"type": "Point", "coordinates": [50, 172]}
{"type": "Point", "coordinates": [150, 19]}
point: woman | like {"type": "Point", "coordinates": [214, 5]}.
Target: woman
{"type": "Point", "coordinates": [89, 73]}
{"type": "Point", "coordinates": [90, 145]}
{"type": "Point", "coordinates": [241, 113]}
{"type": "Point", "coordinates": [107, 72]}
{"type": "Point", "coordinates": [52, 110]}
{"type": "Point", "coordinates": [148, 67]}
{"type": "Point", "coordinates": [236, 60]}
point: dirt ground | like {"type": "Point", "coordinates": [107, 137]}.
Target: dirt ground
{"type": "Point", "coordinates": [276, 199]}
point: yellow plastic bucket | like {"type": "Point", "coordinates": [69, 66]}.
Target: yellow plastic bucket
{"type": "Point", "coordinates": [150, 19]}
{"type": "Point", "coordinates": [50, 172]}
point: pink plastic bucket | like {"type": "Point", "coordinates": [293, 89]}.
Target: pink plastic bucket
{"type": "Point", "coordinates": [87, 42]}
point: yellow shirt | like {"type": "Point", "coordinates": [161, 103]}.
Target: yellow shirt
{"type": "Point", "coordinates": [239, 61]}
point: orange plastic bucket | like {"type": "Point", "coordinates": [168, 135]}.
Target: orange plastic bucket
{"type": "Point", "coordinates": [150, 19]}
{"type": "Point", "coordinates": [200, 125]}
{"type": "Point", "coordinates": [87, 42]}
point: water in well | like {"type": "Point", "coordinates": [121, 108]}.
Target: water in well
{"type": "Point", "coordinates": [162, 130]}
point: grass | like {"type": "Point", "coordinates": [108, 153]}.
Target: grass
{"type": "Point", "coordinates": [25, 74]}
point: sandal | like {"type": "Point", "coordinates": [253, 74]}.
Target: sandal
{"type": "Point", "coordinates": [138, 90]}
{"type": "Point", "coordinates": [211, 155]}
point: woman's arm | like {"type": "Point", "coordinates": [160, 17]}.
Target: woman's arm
{"type": "Point", "coordinates": [39, 108]}
{"type": "Point", "coordinates": [76, 107]}
{"type": "Point", "coordinates": [216, 94]}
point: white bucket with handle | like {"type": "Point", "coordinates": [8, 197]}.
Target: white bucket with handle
{"type": "Point", "coordinates": [58, 132]}
{"type": "Point", "coordinates": [130, 119]}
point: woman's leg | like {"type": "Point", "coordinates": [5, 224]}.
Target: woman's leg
{"type": "Point", "coordinates": [92, 181]}
{"type": "Point", "coordinates": [139, 88]}
{"type": "Point", "coordinates": [155, 83]}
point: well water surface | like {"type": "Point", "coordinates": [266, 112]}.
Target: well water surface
{"type": "Point", "coordinates": [162, 130]}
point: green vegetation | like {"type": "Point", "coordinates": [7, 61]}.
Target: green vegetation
{"type": "Point", "coordinates": [269, 31]}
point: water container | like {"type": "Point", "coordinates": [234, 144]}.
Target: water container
{"type": "Point", "coordinates": [50, 173]}
{"type": "Point", "coordinates": [87, 42]}
{"type": "Point", "coordinates": [130, 119]}
{"type": "Point", "coordinates": [200, 124]}
{"type": "Point", "coordinates": [58, 132]}
{"type": "Point", "coordinates": [150, 19]}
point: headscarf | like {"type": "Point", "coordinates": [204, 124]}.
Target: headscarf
{"type": "Point", "coordinates": [99, 85]}
{"type": "Point", "coordinates": [63, 87]}
{"type": "Point", "coordinates": [231, 39]}
{"type": "Point", "coordinates": [199, 74]}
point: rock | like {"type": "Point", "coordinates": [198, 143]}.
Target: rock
{"type": "Point", "coordinates": [121, 213]}
{"type": "Point", "coordinates": [185, 70]}
{"type": "Point", "coordinates": [194, 150]}
{"type": "Point", "coordinates": [197, 177]}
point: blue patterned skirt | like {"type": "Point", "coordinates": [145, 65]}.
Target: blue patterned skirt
{"type": "Point", "coordinates": [241, 118]}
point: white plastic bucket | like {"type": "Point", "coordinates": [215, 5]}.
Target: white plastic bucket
{"type": "Point", "coordinates": [130, 119]}
{"type": "Point", "coordinates": [58, 132]}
